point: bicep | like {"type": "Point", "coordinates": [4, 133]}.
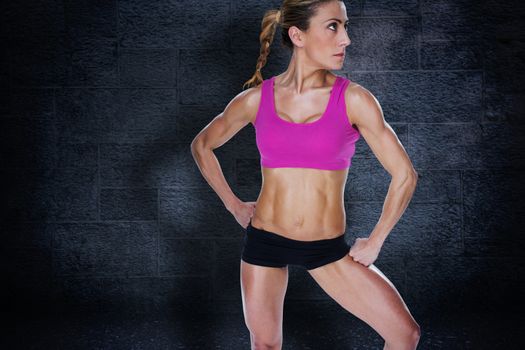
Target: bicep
{"type": "Point", "coordinates": [236, 115]}
{"type": "Point", "coordinates": [367, 114]}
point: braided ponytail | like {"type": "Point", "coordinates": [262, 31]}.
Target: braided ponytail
{"type": "Point", "coordinates": [268, 27]}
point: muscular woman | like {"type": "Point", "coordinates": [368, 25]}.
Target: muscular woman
{"type": "Point", "coordinates": [307, 121]}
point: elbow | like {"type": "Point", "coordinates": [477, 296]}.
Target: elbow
{"type": "Point", "coordinates": [195, 147]}
{"type": "Point", "coordinates": [408, 178]}
{"type": "Point", "coordinates": [412, 177]}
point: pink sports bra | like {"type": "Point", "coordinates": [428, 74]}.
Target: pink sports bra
{"type": "Point", "coordinates": [326, 143]}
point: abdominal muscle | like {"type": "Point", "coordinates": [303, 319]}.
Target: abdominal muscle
{"type": "Point", "coordinates": [302, 204]}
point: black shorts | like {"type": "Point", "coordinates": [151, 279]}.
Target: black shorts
{"type": "Point", "coordinates": [270, 249]}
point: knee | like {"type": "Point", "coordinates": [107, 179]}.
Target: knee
{"type": "Point", "coordinates": [407, 340]}
{"type": "Point", "coordinates": [264, 343]}
{"type": "Point", "coordinates": [415, 334]}
{"type": "Point", "coordinates": [411, 337]}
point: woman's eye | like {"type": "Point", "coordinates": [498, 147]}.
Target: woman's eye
{"type": "Point", "coordinates": [335, 24]}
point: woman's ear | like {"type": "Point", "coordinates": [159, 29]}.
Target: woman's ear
{"type": "Point", "coordinates": [296, 36]}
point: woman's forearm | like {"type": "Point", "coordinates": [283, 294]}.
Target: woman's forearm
{"type": "Point", "coordinates": [211, 171]}
{"type": "Point", "coordinates": [399, 195]}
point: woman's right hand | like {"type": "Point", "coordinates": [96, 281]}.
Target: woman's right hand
{"type": "Point", "coordinates": [243, 212]}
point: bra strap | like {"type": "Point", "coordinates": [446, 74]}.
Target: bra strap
{"type": "Point", "coordinates": [264, 102]}
{"type": "Point", "coordinates": [266, 94]}
{"type": "Point", "coordinates": [339, 92]}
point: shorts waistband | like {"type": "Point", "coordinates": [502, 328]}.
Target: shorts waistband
{"type": "Point", "coordinates": [275, 237]}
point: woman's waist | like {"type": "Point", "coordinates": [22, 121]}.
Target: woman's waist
{"type": "Point", "coordinates": [301, 221]}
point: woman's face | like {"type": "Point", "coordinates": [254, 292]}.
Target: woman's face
{"type": "Point", "coordinates": [327, 36]}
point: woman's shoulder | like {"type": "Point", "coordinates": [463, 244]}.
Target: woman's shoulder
{"type": "Point", "coordinates": [353, 89]}
{"type": "Point", "coordinates": [249, 100]}
{"type": "Point", "coordinates": [252, 96]}
{"type": "Point", "coordinates": [360, 103]}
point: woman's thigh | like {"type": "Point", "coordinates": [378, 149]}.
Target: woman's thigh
{"type": "Point", "coordinates": [263, 290]}
{"type": "Point", "coordinates": [368, 294]}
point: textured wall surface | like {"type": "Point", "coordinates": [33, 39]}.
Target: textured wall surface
{"type": "Point", "coordinates": [106, 213]}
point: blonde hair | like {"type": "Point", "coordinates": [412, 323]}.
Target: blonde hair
{"type": "Point", "coordinates": [292, 13]}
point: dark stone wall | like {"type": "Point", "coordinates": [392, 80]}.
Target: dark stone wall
{"type": "Point", "coordinates": [106, 211]}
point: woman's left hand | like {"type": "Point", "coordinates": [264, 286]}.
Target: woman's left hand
{"type": "Point", "coordinates": [364, 251]}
